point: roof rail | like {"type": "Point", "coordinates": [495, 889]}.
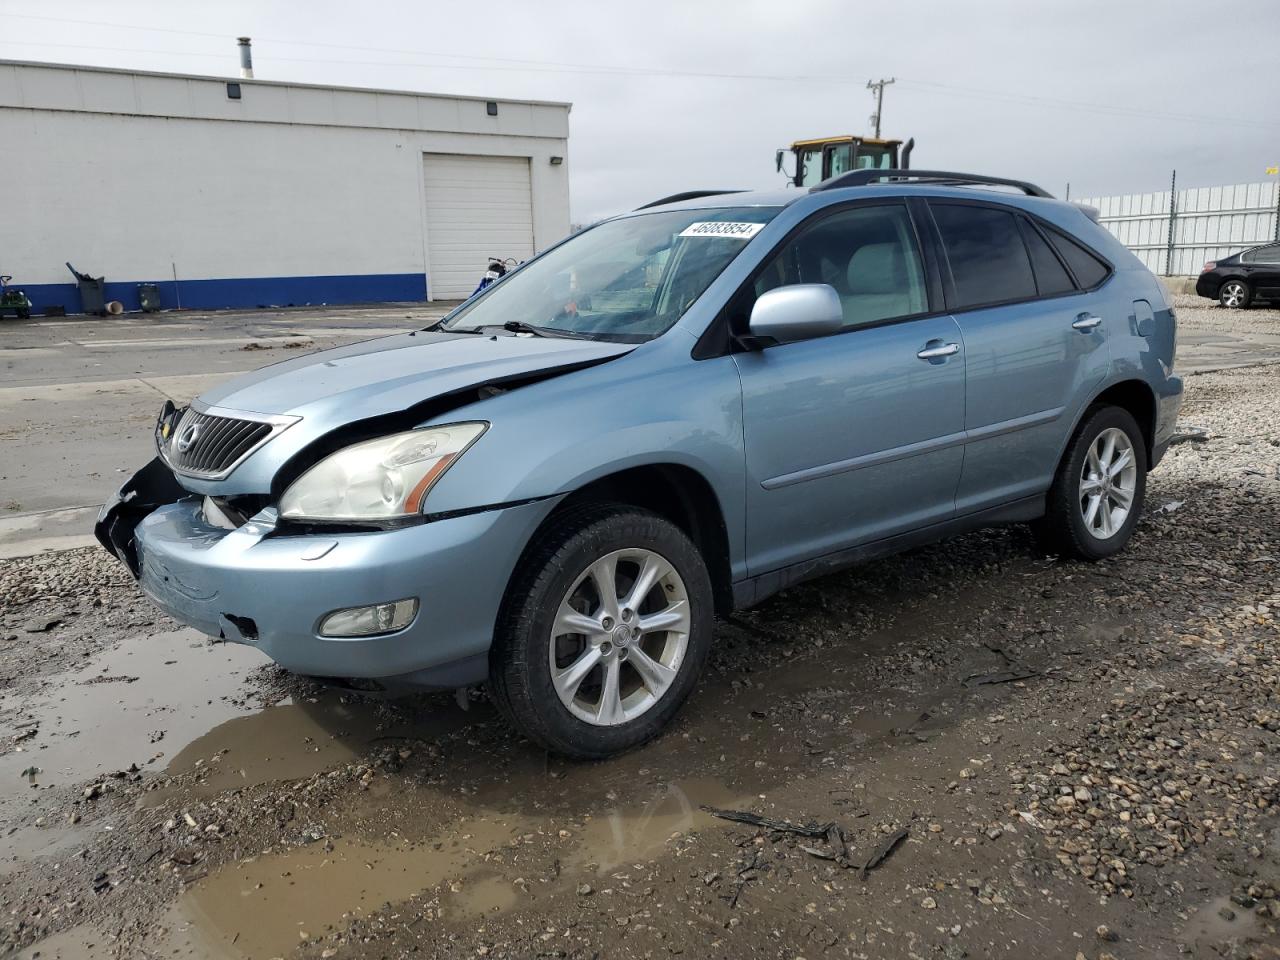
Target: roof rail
{"type": "Point", "coordinates": [860, 178]}
{"type": "Point", "coordinates": [687, 195]}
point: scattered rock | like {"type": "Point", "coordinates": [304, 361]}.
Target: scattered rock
{"type": "Point", "coordinates": [45, 622]}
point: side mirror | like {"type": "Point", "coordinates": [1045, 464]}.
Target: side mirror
{"type": "Point", "coordinates": [777, 159]}
{"type": "Point", "coordinates": [801, 311]}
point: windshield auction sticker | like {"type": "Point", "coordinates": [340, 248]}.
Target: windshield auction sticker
{"type": "Point", "coordinates": [722, 228]}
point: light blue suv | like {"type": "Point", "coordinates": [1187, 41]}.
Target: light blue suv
{"type": "Point", "coordinates": [673, 414]}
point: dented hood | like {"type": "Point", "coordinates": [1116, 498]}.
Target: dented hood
{"type": "Point", "coordinates": [390, 374]}
{"type": "Point", "coordinates": [364, 381]}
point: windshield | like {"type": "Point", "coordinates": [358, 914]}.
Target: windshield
{"type": "Point", "coordinates": [628, 279]}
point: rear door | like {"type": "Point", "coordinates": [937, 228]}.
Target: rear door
{"type": "Point", "coordinates": [1035, 343]}
{"type": "Point", "coordinates": [853, 437]}
{"type": "Point", "coordinates": [1264, 271]}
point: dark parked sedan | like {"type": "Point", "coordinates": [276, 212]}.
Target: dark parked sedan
{"type": "Point", "coordinates": [1239, 280]}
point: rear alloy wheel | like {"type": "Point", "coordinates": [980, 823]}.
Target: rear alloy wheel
{"type": "Point", "coordinates": [605, 629]}
{"type": "Point", "coordinates": [1108, 482]}
{"type": "Point", "coordinates": [1097, 493]}
{"type": "Point", "coordinates": [1234, 294]}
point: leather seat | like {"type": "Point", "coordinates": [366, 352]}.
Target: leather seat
{"type": "Point", "coordinates": [877, 285]}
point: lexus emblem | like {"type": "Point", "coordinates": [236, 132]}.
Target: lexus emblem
{"type": "Point", "coordinates": [188, 437]}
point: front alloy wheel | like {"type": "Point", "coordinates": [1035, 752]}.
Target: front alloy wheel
{"type": "Point", "coordinates": [619, 637]}
{"type": "Point", "coordinates": [606, 625]}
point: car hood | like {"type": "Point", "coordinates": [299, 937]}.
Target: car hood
{"type": "Point", "coordinates": [362, 381]}
{"type": "Point", "coordinates": [393, 373]}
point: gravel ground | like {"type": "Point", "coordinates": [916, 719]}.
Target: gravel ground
{"type": "Point", "coordinates": [969, 750]}
{"type": "Point", "coordinates": [84, 598]}
{"type": "Point", "coordinates": [1201, 315]}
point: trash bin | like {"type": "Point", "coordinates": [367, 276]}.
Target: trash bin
{"type": "Point", "coordinates": [149, 297]}
{"type": "Point", "coordinates": [92, 299]}
{"type": "Point", "coordinates": [92, 296]}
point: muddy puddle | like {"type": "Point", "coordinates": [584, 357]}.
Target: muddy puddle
{"type": "Point", "coordinates": [135, 704]}
{"type": "Point", "coordinates": [20, 844]}
{"type": "Point", "coordinates": [1220, 921]}
{"type": "Point", "coordinates": [304, 736]}
{"type": "Point", "coordinates": [74, 943]}
{"type": "Point", "coordinates": [173, 703]}
{"type": "Point", "coordinates": [481, 865]}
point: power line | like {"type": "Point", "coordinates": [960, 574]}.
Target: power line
{"type": "Point", "coordinates": [1004, 96]}
{"type": "Point", "coordinates": [519, 65]}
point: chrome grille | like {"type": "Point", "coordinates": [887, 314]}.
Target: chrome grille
{"type": "Point", "coordinates": [209, 445]}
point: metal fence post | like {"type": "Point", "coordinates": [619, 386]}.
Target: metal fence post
{"type": "Point", "coordinates": [1173, 216]}
{"type": "Point", "coordinates": [1277, 237]}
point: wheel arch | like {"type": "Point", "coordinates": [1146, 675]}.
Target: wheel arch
{"type": "Point", "coordinates": [679, 494]}
{"type": "Point", "coordinates": [1132, 395]}
{"type": "Point", "coordinates": [1228, 279]}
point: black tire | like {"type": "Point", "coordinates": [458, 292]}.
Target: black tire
{"type": "Point", "coordinates": [1062, 530]}
{"type": "Point", "coordinates": [519, 665]}
{"type": "Point", "coordinates": [1237, 291]}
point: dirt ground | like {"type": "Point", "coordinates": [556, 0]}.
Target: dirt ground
{"type": "Point", "coordinates": [971, 750]}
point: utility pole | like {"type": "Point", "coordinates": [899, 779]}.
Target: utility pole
{"type": "Point", "coordinates": [878, 86]}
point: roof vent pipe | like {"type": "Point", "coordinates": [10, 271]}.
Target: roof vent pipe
{"type": "Point", "coordinates": [246, 58]}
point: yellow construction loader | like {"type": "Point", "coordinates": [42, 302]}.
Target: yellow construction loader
{"type": "Point", "coordinates": [821, 159]}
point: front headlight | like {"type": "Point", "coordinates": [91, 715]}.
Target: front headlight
{"type": "Point", "coordinates": [378, 479]}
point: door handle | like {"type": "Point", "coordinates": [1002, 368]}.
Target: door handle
{"type": "Point", "coordinates": [1086, 321]}
{"type": "Point", "coordinates": [938, 352]}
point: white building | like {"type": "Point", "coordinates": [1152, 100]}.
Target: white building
{"type": "Point", "coordinates": [244, 193]}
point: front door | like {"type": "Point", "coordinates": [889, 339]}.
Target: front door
{"type": "Point", "coordinates": [856, 436]}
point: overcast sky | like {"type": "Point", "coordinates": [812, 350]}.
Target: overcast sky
{"type": "Point", "coordinates": [667, 96]}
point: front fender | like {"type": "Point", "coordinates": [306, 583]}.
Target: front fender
{"type": "Point", "coordinates": [655, 406]}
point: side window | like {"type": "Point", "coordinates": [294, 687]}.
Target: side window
{"type": "Point", "coordinates": [868, 254]}
{"type": "Point", "coordinates": [1051, 276]}
{"type": "Point", "coordinates": [1089, 270]}
{"type": "Point", "coordinates": [989, 262]}
{"type": "Point", "coordinates": [810, 161]}
{"type": "Point", "coordinates": [1268, 254]}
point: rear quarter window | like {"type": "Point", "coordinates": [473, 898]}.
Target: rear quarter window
{"type": "Point", "coordinates": [1089, 270]}
{"type": "Point", "coordinates": [1268, 254]}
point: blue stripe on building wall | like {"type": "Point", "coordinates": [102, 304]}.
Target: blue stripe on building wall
{"type": "Point", "coordinates": [242, 292]}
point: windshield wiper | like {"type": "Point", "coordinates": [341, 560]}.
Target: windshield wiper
{"type": "Point", "coordinates": [519, 326]}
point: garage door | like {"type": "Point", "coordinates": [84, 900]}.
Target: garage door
{"type": "Point", "coordinates": [477, 207]}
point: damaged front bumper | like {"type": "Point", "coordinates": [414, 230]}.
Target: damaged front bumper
{"type": "Point", "coordinates": [271, 589]}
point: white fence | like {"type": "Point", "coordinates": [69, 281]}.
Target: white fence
{"type": "Point", "coordinates": [1208, 223]}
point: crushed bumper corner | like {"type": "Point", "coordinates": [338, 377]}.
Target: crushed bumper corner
{"type": "Point", "coordinates": [151, 487]}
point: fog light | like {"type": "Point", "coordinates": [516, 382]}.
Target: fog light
{"type": "Point", "coordinates": [371, 620]}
